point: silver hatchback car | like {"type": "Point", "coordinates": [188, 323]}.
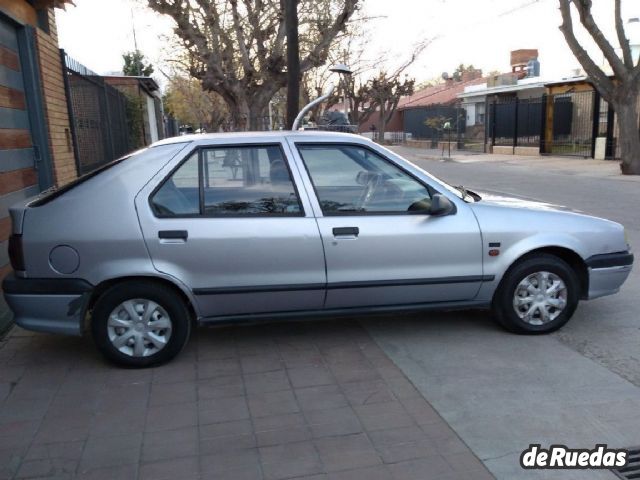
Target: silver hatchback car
{"type": "Point", "coordinates": [234, 227]}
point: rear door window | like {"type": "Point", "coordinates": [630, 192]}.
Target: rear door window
{"type": "Point", "coordinates": [230, 181]}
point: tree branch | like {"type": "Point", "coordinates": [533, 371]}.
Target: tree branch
{"type": "Point", "coordinates": [318, 55]}
{"type": "Point", "coordinates": [622, 38]}
{"type": "Point", "coordinates": [417, 50]}
{"type": "Point", "coordinates": [242, 42]}
{"type": "Point", "coordinates": [590, 25]}
{"type": "Point", "coordinates": [599, 78]}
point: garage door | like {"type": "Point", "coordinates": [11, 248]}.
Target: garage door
{"type": "Point", "coordinates": [18, 177]}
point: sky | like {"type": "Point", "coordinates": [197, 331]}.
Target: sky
{"type": "Point", "coordinates": [478, 32]}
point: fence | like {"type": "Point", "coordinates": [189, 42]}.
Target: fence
{"type": "Point", "coordinates": [564, 124]}
{"type": "Point", "coordinates": [574, 124]}
{"type": "Point", "coordinates": [428, 123]}
{"type": "Point", "coordinates": [98, 116]}
{"type": "Point", "coordinates": [391, 137]}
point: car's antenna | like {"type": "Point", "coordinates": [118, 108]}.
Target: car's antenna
{"type": "Point", "coordinates": [341, 69]}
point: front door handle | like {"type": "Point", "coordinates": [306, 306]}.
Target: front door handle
{"type": "Point", "coordinates": [346, 231]}
{"type": "Point", "coordinates": [173, 234]}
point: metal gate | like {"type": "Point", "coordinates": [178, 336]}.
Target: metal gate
{"type": "Point", "coordinates": [98, 114]}
{"type": "Point", "coordinates": [569, 128]}
{"type": "Point", "coordinates": [515, 122]}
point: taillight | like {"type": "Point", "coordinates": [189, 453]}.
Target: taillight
{"type": "Point", "coordinates": [16, 254]}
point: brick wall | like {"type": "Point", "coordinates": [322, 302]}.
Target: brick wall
{"type": "Point", "coordinates": [60, 143]}
{"type": "Point", "coordinates": [55, 104]}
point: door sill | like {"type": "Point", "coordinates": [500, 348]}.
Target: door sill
{"type": "Point", "coordinates": [302, 315]}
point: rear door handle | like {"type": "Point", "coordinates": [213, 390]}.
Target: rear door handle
{"type": "Point", "coordinates": [173, 234]}
{"type": "Point", "coordinates": [346, 231]}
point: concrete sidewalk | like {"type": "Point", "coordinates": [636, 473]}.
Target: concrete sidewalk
{"type": "Point", "coordinates": [566, 165]}
{"type": "Point", "coordinates": [314, 400]}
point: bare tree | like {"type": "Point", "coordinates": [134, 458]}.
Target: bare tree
{"type": "Point", "coordinates": [237, 48]}
{"type": "Point", "coordinates": [351, 47]}
{"type": "Point", "coordinates": [623, 91]}
{"type": "Point", "coordinates": [383, 94]}
{"type": "Point", "coordinates": [371, 88]}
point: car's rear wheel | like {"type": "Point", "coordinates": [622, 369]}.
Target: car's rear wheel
{"type": "Point", "coordinates": [140, 324]}
{"type": "Point", "coordinates": [539, 294]}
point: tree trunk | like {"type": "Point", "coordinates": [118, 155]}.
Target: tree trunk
{"type": "Point", "coordinates": [629, 135]}
{"type": "Point", "coordinates": [259, 107]}
{"type": "Point", "coordinates": [239, 116]}
{"type": "Point", "coordinates": [248, 115]}
{"type": "Point", "coordinates": [248, 109]}
{"type": "Point", "coordinates": [257, 118]}
{"type": "Point", "coordinates": [382, 124]}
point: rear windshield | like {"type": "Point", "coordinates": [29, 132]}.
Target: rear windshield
{"type": "Point", "coordinates": [166, 151]}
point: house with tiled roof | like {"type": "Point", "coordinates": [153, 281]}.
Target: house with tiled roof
{"type": "Point", "coordinates": [438, 102]}
{"type": "Point", "coordinates": [433, 101]}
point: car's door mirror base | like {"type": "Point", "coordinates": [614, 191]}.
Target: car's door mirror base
{"type": "Point", "coordinates": [441, 206]}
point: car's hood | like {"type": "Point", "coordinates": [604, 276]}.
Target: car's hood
{"type": "Point", "coordinates": [506, 200]}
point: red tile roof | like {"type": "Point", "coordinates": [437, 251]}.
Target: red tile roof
{"type": "Point", "coordinates": [444, 94]}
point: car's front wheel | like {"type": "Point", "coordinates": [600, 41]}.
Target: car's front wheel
{"type": "Point", "coordinates": [537, 295]}
{"type": "Point", "coordinates": [140, 324]}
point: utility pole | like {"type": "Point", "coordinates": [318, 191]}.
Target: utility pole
{"type": "Point", "coordinates": [293, 60]}
{"type": "Point", "coordinates": [135, 43]}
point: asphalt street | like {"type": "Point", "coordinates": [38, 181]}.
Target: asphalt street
{"type": "Point", "coordinates": [501, 392]}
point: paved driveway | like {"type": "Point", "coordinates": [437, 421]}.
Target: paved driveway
{"type": "Point", "coordinates": [306, 400]}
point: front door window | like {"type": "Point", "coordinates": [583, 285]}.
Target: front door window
{"type": "Point", "coordinates": [353, 180]}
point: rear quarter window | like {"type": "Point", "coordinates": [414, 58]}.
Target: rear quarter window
{"type": "Point", "coordinates": [148, 154]}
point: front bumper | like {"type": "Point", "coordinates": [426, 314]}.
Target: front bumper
{"type": "Point", "coordinates": [608, 272]}
{"type": "Point", "coordinates": [47, 305]}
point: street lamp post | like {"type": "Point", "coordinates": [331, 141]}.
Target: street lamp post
{"type": "Point", "coordinates": [341, 70]}
{"type": "Point", "coordinates": [293, 60]}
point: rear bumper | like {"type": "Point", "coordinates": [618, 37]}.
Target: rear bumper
{"type": "Point", "coordinates": [48, 305]}
{"type": "Point", "coordinates": [608, 272]}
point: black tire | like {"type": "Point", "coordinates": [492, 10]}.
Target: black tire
{"type": "Point", "coordinates": [165, 297]}
{"type": "Point", "coordinates": [503, 301]}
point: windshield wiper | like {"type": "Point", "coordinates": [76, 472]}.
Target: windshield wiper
{"type": "Point", "coordinates": [468, 193]}
{"type": "Point", "coordinates": [462, 190]}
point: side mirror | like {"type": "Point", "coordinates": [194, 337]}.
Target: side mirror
{"type": "Point", "coordinates": [441, 206]}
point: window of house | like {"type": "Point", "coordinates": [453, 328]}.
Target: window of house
{"type": "Point", "coordinates": [349, 179]}
{"type": "Point", "coordinates": [480, 113]}
{"type": "Point", "coordinates": [230, 181]}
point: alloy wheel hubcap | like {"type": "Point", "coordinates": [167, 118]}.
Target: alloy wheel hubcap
{"type": "Point", "coordinates": [139, 327]}
{"type": "Point", "coordinates": [540, 297]}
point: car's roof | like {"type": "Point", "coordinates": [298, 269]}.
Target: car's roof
{"type": "Point", "coordinates": [248, 136]}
